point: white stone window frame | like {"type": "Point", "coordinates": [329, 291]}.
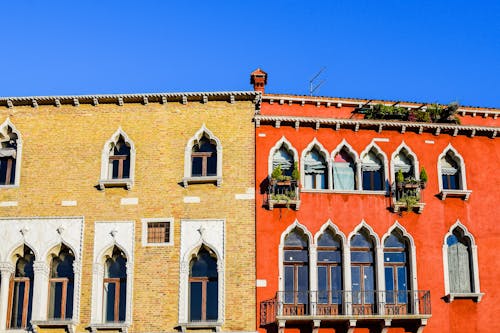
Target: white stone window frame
{"type": "Point", "coordinates": [145, 223]}
{"type": "Point", "coordinates": [188, 164]}
{"type": "Point", "coordinates": [476, 293]}
{"type": "Point", "coordinates": [43, 236]}
{"type": "Point", "coordinates": [381, 155]}
{"type": "Point", "coordinates": [357, 165]}
{"type": "Point", "coordinates": [106, 179]}
{"type": "Point", "coordinates": [107, 235]}
{"type": "Point", "coordinates": [463, 192]}
{"type": "Point", "coordinates": [276, 147]}
{"type": "Point", "coordinates": [328, 172]}
{"type": "Point", "coordinates": [409, 153]}
{"type": "Point", "coordinates": [196, 233]}
{"type": "Point", "coordinates": [19, 153]}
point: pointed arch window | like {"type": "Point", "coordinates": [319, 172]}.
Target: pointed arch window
{"type": "Point", "coordinates": [405, 162]}
{"type": "Point", "coordinates": [61, 285]}
{"type": "Point", "coordinates": [344, 171]}
{"type": "Point", "coordinates": [397, 273]}
{"type": "Point", "coordinates": [115, 287]}
{"type": "Point", "coordinates": [329, 263]}
{"type": "Point", "coordinates": [372, 169]}
{"type": "Point", "coordinates": [284, 159]}
{"type": "Point", "coordinates": [315, 170]}
{"type": "Point", "coordinates": [21, 291]}
{"type": "Point", "coordinates": [10, 154]}
{"type": "Point", "coordinates": [296, 269]}
{"type": "Point", "coordinates": [203, 287]}
{"type": "Point", "coordinates": [204, 158]}
{"type": "Point", "coordinates": [450, 172]}
{"type": "Point", "coordinates": [362, 273]}
{"type": "Point", "coordinates": [118, 162]}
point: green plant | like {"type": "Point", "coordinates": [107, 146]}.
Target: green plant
{"type": "Point", "coordinates": [399, 176]}
{"type": "Point", "coordinates": [423, 175]}
{"type": "Point", "coordinates": [295, 172]}
{"type": "Point", "coordinates": [411, 180]}
{"type": "Point", "coordinates": [277, 173]}
{"type": "Point", "coordinates": [410, 201]}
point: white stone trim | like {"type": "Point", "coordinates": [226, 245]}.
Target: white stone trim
{"type": "Point", "coordinates": [458, 158]}
{"type": "Point", "coordinates": [411, 154]}
{"type": "Point", "coordinates": [288, 145]}
{"type": "Point", "coordinates": [475, 285]}
{"type": "Point", "coordinates": [41, 235]}
{"type": "Point", "coordinates": [381, 154]}
{"type": "Point", "coordinates": [106, 178]}
{"type": "Point", "coordinates": [19, 152]}
{"type": "Point", "coordinates": [316, 144]}
{"type": "Point", "coordinates": [188, 161]}
{"type": "Point", "coordinates": [106, 236]}
{"type": "Point", "coordinates": [357, 162]}
{"type": "Point", "coordinates": [145, 223]}
{"type": "Point", "coordinates": [196, 233]}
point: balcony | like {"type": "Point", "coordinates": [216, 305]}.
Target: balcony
{"type": "Point", "coordinates": [407, 195]}
{"type": "Point", "coordinates": [283, 193]}
{"type": "Point", "coordinates": [400, 308]}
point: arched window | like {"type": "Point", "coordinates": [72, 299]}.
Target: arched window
{"type": "Point", "coordinates": [362, 274]}
{"type": "Point", "coordinates": [372, 167]}
{"type": "Point", "coordinates": [204, 158]}
{"type": "Point", "coordinates": [296, 269]}
{"type": "Point", "coordinates": [21, 291]}
{"type": "Point", "coordinates": [459, 262]}
{"type": "Point", "coordinates": [344, 171]}
{"type": "Point", "coordinates": [450, 172]}
{"type": "Point", "coordinates": [203, 287]}
{"type": "Point", "coordinates": [61, 285]}
{"type": "Point", "coordinates": [315, 170]}
{"type": "Point", "coordinates": [115, 287]}
{"type": "Point", "coordinates": [10, 153]}
{"type": "Point", "coordinates": [405, 162]}
{"type": "Point", "coordinates": [329, 273]}
{"type": "Point", "coordinates": [397, 272]}
{"type": "Point", "coordinates": [118, 161]}
{"type": "Point", "coordinates": [284, 159]}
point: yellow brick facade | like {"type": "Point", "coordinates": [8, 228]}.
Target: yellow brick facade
{"type": "Point", "coordinates": [61, 161]}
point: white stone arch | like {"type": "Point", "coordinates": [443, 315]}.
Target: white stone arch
{"type": "Point", "coordinates": [106, 168]}
{"type": "Point", "coordinates": [411, 154]}
{"type": "Point", "coordinates": [475, 285]}
{"type": "Point", "coordinates": [459, 160]}
{"type": "Point", "coordinates": [315, 144]}
{"type": "Point", "coordinates": [382, 156]}
{"type": "Point", "coordinates": [55, 247]}
{"type": "Point", "coordinates": [14, 251]}
{"type": "Point", "coordinates": [4, 136]}
{"type": "Point", "coordinates": [203, 131]}
{"type": "Point", "coordinates": [288, 145]}
{"type": "Point", "coordinates": [354, 155]}
{"type": "Point", "coordinates": [307, 233]}
{"type": "Point", "coordinates": [396, 227]}
{"type": "Point", "coordinates": [371, 233]}
{"type": "Point", "coordinates": [330, 225]}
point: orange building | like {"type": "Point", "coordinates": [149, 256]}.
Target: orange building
{"type": "Point", "coordinates": [375, 216]}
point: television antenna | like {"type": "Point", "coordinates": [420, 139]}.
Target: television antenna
{"type": "Point", "coordinates": [314, 86]}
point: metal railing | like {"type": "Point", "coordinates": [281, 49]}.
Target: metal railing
{"type": "Point", "coordinates": [282, 192]}
{"type": "Point", "coordinates": [345, 303]}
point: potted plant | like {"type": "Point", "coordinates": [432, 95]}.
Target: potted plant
{"type": "Point", "coordinates": [295, 172]}
{"type": "Point", "coordinates": [411, 183]}
{"type": "Point", "coordinates": [399, 179]}
{"type": "Point", "coordinates": [423, 178]}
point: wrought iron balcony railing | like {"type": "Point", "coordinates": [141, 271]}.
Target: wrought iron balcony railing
{"type": "Point", "coordinates": [284, 193]}
{"type": "Point", "coordinates": [345, 303]}
{"type": "Point", "coordinates": [407, 195]}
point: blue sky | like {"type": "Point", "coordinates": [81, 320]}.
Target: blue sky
{"type": "Point", "coordinates": [428, 51]}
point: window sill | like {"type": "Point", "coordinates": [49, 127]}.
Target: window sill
{"type": "Point", "coordinates": [215, 325]}
{"type": "Point", "coordinates": [464, 194]}
{"type": "Point", "coordinates": [202, 180]}
{"type": "Point", "coordinates": [68, 325]}
{"type": "Point", "coordinates": [124, 182]}
{"type": "Point", "coordinates": [476, 297]}
{"type": "Point", "coordinates": [120, 327]}
{"type": "Point", "coordinates": [328, 191]}
{"type": "Point", "coordinates": [398, 206]}
{"type": "Point", "coordinates": [283, 203]}
{"type": "Point", "coordinates": [9, 186]}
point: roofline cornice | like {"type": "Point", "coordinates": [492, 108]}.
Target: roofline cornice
{"type": "Point", "coordinates": [120, 99]}
{"type": "Point", "coordinates": [339, 102]}
{"type": "Point", "coordinates": [378, 125]}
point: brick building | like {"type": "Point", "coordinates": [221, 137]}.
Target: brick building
{"type": "Point", "coordinates": [375, 216]}
{"type": "Point", "coordinates": [128, 212]}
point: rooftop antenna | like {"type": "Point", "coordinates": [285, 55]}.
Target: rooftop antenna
{"type": "Point", "coordinates": [312, 85]}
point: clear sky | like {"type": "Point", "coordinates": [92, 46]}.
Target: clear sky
{"type": "Point", "coordinates": [413, 50]}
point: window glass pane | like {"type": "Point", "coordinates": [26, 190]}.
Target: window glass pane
{"type": "Point", "coordinates": [109, 298]}
{"type": "Point", "coordinates": [195, 298]}
{"type": "Point", "coordinates": [56, 295]}
{"type": "Point", "coordinates": [389, 284]}
{"type": "Point", "coordinates": [377, 181]}
{"type": "Point", "coordinates": [328, 239]}
{"type": "Point", "coordinates": [329, 256]}
{"type": "Point", "coordinates": [369, 284]}
{"type": "Point", "coordinates": [336, 284]}
{"type": "Point", "coordinates": [322, 285]}
{"type": "Point", "coordinates": [196, 168]}
{"type": "Point", "coordinates": [453, 184]}
{"type": "Point", "coordinates": [296, 256]}
{"type": "Point", "coordinates": [362, 256]}
{"type": "Point", "coordinates": [212, 165]}
{"type": "Point", "coordinates": [289, 283]}
{"type": "Point", "coordinates": [360, 240]}
{"type": "Point", "coordinates": [343, 172]}
{"type": "Point", "coordinates": [212, 303]}
{"type": "Point", "coordinates": [303, 284]}
{"type": "Point", "coordinates": [295, 238]}
{"type": "Point", "coordinates": [204, 265]}
{"type": "Point", "coordinates": [69, 300]}
{"type": "Point", "coordinates": [402, 287]}
{"type": "Point", "coordinates": [367, 180]}
{"type": "Point", "coordinates": [18, 304]}
{"type": "Point", "coordinates": [123, 298]}
{"type": "Point", "coordinates": [394, 241]}
{"type": "Point", "coordinates": [356, 284]}
{"type": "Point", "coordinates": [395, 256]}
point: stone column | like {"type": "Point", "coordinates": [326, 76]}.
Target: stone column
{"type": "Point", "coordinates": [313, 278]}
{"type": "Point", "coordinates": [7, 271]}
{"type": "Point", "coordinates": [97, 293]}
{"type": "Point", "coordinates": [40, 290]}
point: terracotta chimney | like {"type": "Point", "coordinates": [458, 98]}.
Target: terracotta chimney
{"type": "Point", "coordinates": [259, 80]}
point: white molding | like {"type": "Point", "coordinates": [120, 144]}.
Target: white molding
{"type": "Point", "coordinates": [475, 285]}
{"type": "Point", "coordinates": [188, 178]}
{"type": "Point", "coordinates": [316, 144]}
{"type": "Point", "coordinates": [411, 154]}
{"type": "Point", "coordinates": [106, 178]}
{"type": "Point", "coordinates": [19, 152]}
{"type": "Point", "coordinates": [354, 155]}
{"type": "Point", "coordinates": [457, 158]}
{"type": "Point", "coordinates": [145, 223]}
{"type": "Point", "coordinates": [277, 146]}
